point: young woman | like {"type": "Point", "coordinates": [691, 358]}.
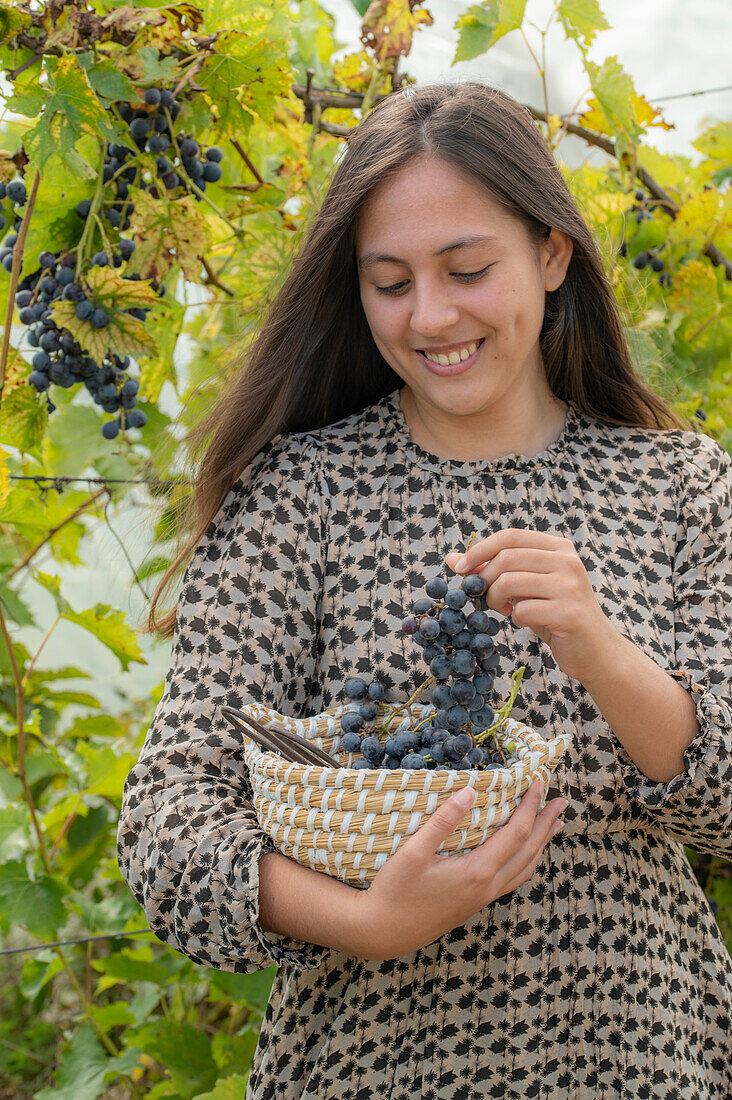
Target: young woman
{"type": "Point", "coordinates": [446, 356]}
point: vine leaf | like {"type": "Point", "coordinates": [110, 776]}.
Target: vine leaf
{"type": "Point", "coordinates": [124, 335]}
{"type": "Point", "coordinates": [107, 625]}
{"type": "Point", "coordinates": [582, 19]}
{"type": "Point", "coordinates": [482, 25]}
{"type": "Point", "coordinates": [70, 110]}
{"type": "Point", "coordinates": [389, 25]}
{"type": "Point", "coordinates": [106, 79]}
{"type": "Point", "coordinates": [167, 233]}
{"type": "Point", "coordinates": [35, 903]}
{"type": "Point", "coordinates": [85, 1069]}
{"type": "Point", "coordinates": [144, 66]}
{"type": "Point", "coordinates": [244, 79]}
{"type": "Point", "coordinates": [23, 417]}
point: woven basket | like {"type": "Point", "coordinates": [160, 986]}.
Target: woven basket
{"type": "Point", "coordinates": [346, 822]}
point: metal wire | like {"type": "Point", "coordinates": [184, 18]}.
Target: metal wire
{"type": "Point", "coordinates": [68, 943]}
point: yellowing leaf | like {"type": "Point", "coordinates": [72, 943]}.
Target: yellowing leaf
{"type": "Point", "coordinates": [389, 25]}
{"type": "Point", "coordinates": [167, 234]}
{"type": "Point", "coordinates": [700, 218]}
{"type": "Point", "coordinates": [354, 71]}
{"type": "Point", "coordinates": [124, 335]}
{"type": "Point", "coordinates": [716, 143]}
{"type": "Point", "coordinates": [582, 19]}
{"type": "Point", "coordinates": [70, 111]}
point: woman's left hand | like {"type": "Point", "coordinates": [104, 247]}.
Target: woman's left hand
{"type": "Point", "coordinates": [540, 581]}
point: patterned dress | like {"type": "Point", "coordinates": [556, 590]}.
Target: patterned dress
{"type": "Point", "coordinates": [603, 976]}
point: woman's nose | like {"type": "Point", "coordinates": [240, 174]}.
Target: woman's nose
{"type": "Point", "coordinates": [433, 314]}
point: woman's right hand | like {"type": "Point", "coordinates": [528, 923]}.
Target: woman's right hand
{"type": "Point", "coordinates": [418, 895]}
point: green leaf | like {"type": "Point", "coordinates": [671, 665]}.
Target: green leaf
{"type": "Point", "coordinates": [14, 832]}
{"type": "Point", "coordinates": [35, 903]}
{"type": "Point", "coordinates": [85, 1068]}
{"type": "Point", "coordinates": [54, 215]}
{"type": "Point", "coordinates": [170, 316]}
{"type": "Point", "coordinates": [38, 970]}
{"type": "Point", "coordinates": [228, 1088]}
{"type": "Point", "coordinates": [582, 19]}
{"type": "Point", "coordinates": [146, 67]}
{"type": "Point", "coordinates": [249, 989]}
{"type": "Point", "coordinates": [104, 622]}
{"type": "Point", "coordinates": [106, 770]}
{"type": "Point", "coordinates": [482, 25]}
{"type": "Point", "coordinates": [123, 967]}
{"type": "Point", "coordinates": [106, 79]}
{"type": "Point", "coordinates": [71, 110]}
{"type": "Point", "coordinates": [184, 1051]}
{"type": "Point", "coordinates": [614, 91]}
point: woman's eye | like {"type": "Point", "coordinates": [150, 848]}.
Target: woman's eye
{"type": "Point", "coordinates": [467, 276]}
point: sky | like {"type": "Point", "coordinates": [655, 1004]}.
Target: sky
{"type": "Point", "coordinates": [667, 46]}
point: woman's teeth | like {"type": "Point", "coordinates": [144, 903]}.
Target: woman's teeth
{"type": "Point", "coordinates": [453, 357]}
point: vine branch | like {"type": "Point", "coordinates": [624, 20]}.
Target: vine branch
{"type": "Point", "coordinates": [15, 276]}
{"type": "Point", "coordinates": [327, 98]}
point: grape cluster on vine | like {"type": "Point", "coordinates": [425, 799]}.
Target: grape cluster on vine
{"type": "Point", "coordinates": [61, 358]}
{"type": "Point", "coordinates": [458, 644]}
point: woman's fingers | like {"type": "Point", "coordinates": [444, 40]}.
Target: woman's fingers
{"type": "Point", "coordinates": [422, 845]}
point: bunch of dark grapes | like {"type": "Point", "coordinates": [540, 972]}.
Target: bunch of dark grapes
{"type": "Point", "coordinates": [457, 637]}
{"type": "Point", "coordinates": [60, 358]}
{"type": "Point", "coordinates": [648, 257]}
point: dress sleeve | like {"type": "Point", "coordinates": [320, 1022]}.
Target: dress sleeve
{"type": "Point", "coordinates": [188, 841]}
{"type": "Point", "coordinates": [695, 807]}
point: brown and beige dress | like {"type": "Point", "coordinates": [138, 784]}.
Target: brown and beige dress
{"type": "Point", "coordinates": [605, 975]}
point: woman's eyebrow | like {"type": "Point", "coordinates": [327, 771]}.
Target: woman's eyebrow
{"type": "Point", "coordinates": [369, 258]}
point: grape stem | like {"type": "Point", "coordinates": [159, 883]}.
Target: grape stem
{"type": "Point", "coordinates": [505, 710]}
{"type": "Point", "coordinates": [95, 207]}
{"type": "Point", "coordinates": [405, 706]}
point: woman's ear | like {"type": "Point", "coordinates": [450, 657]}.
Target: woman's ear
{"type": "Point", "coordinates": [556, 252]}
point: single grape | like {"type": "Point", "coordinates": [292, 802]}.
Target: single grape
{"type": "Point", "coordinates": [351, 722]}
{"type": "Point", "coordinates": [152, 97]}
{"type": "Point", "coordinates": [474, 585]}
{"type": "Point", "coordinates": [490, 661]}
{"type": "Point", "coordinates": [377, 691]}
{"type": "Point", "coordinates": [110, 429]}
{"type": "Point", "coordinates": [441, 696]}
{"type": "Point", "coordinates": [16, 192]}
{"type": "Point", "coordinates": [23, 298]}
{"type": "Point", "coordinates": [456, 598]}
{"type": "Point", "coordinates": [429, 628]}
{"type": "Point", "coordinates": [482, 644]}
{"type": "Point", "coordinates": [451, 620]}
{"type": "Point", "coordinates": [657, 263]}
{"type": "Point", "coordinates": [84, 310]}
{"type": "Point", "coordinates": [441, 667]}
{"type": "Point", "coordinates": [368, 710]}
{"type": "Point", "coordinates": [462, 640]}
{"type": "Point", "coordinates": [478, 622]}
{"type": "Point", "coordinates": [100, 318]}
{"type": "Point", "coordinates": [476, 703]}
{"type": "Point", "coordinates": [409, 624]}
{"type": "Point", "coordinates": [350, 742]}
{"type": "Point", "coordinates": [99, 259]}
{"type": "Point", "coordinates": [463, 663]}
{"type": "Point", "coordinates": [355, 687]}
{"type": "Point", "coordinates": [215, 154]}
{"type": "Point", "coordinates": [414, 762]}
{"type": "Point", "coordinates": [361, 765]}
{"type": "Point", "coordinates": [483, 682]}
{"type": "Point", "coordinates": [641, 260]}
{"type": "Point", "coordinates": [372, 750]}
{"type": "Point", "coordinates": [483, 719]}
{"type": "Point", "coordinates": [432, 651]}
{"type": "Point", "coordinates": [27, 316]}
{"type": "Point", "coordinates": [140, 128]}
{"type": "Point", "coordinates": [462, 691]}
{"type": "Point", "coordinates": [457, 717]}
{"type": "Point", "coordinates": [136, 419]}
{"type": "Point", "coordinates": [39, 380]}
{"type": "Point", "coordinates": [7, 261]}
{"type": "Point", "coordinates": [212, 173]}
{"type": "Point", "coordinates": [422, 606]}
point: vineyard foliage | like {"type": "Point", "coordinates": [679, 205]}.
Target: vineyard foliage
{"type": "Point", "coordinates": [114, 118]}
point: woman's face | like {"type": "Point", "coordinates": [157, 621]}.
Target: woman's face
{"type": "Point", "coordinates": [427, 289]}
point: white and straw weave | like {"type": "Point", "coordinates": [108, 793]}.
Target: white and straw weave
{"type": "Point", "coordinates": [346, 822]}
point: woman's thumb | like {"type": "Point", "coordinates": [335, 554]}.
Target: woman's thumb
{"type": "Point", "coordinates": [441, 823]}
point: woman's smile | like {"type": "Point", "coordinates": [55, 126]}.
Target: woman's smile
{"type": "Point", "coordinates": [453, 362]}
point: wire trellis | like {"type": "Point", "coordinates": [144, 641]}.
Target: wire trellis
{"type": "Point", "coordinates": [69, 943]}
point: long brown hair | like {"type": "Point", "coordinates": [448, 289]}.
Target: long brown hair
{"type": "Point", "coordinates": [314, 359]}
